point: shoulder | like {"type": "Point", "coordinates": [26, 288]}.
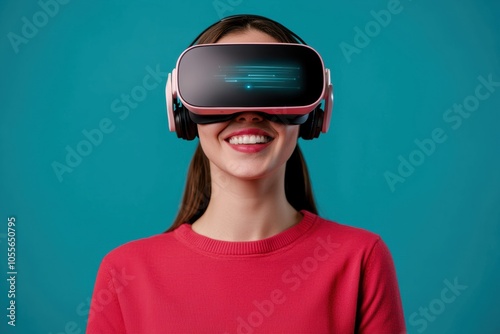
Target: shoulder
{"type": "Point", "coordinates": [142, 249]}
{"type": "Point", "coordinates": [350, 243]}
{"type": "Point", "coordinates": [344, 233]}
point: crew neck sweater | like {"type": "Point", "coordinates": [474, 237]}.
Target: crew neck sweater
{"type": "Point", "coordinates": [315, 277]}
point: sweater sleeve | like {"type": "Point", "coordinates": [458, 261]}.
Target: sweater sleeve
{"type": "Point", "coordinates": [105, 316]}
{"type": "Point", "coordinates": [380, 309]}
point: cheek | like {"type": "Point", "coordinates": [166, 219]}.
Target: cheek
{"type": "Point", "coordinates": [292, 131]}
{"type": "Point", "coordinates": [290, 134]}
{"type": "Point", "coordinates": [288, 137]}
{"type": "Point", "coordinates": [209, 136]}
{"type": "Point", "coordinates": [209, 132]}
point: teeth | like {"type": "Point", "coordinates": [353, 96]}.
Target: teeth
{"type": "Point", "coordinates": [239, 140]}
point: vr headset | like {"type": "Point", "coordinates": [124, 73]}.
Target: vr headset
{"type": "Point", "coordinates": [286, 83]}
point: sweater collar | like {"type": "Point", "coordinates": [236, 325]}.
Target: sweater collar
{"type": "Point", "coordinates": [185, 234]}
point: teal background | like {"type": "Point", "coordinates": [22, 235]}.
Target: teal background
{"type": "Point", "coordinates": [442, 223]}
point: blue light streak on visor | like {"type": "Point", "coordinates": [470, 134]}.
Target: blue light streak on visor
{"type": "Point", "coordinates": [261, 77]}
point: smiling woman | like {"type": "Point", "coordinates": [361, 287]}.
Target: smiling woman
{"type": "Point", "coordinates": [248, 252]}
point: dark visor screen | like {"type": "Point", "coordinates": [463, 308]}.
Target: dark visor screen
{"type": "Point", "coordinates": [250, 75]}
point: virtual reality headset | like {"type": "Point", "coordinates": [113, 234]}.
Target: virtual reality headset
{"type": "Point", "coordinates": [215, 82]}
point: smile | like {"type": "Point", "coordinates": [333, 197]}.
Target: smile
{"type": "Point", "coordinates": [249, 140]}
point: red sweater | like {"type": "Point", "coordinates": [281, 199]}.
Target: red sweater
{"type": "Point", "coordinates": [315, 277]}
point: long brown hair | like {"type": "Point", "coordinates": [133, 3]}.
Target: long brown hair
{"type": "Point", "coordinates": [197, 192]}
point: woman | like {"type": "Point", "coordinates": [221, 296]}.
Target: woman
{"type": "Point", "coordinates": [247, 252]}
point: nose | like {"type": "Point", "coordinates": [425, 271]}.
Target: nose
{"type": "Point", "coordinates": [252, 117]}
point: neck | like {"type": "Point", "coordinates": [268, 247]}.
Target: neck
{"type": "Point", "coordinates": [246, 210]}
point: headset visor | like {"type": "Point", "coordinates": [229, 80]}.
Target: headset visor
{"type": "Point", "coordinates": [229, 78]}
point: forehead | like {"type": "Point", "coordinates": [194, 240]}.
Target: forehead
{"type": "Point", "coordinates": [247, 36]}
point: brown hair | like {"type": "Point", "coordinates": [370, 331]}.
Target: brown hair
{"type": "Point", "coordinates": [197, 192]}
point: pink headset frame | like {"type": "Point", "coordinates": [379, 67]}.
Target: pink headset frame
{"type": "Point", "coordinates": [172, 93]}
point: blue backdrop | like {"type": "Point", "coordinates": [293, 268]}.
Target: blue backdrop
{"type": "Point", "coordinates": [87, 162]}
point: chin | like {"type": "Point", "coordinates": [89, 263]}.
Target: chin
{"type": "Point", "coordinates": [248, 174]}
{"type": "Point", "coordinates": [246, 171]}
